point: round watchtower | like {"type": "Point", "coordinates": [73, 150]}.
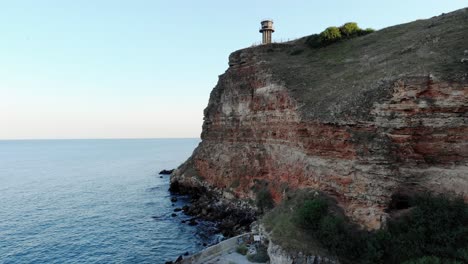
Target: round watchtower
{"type": "Point", "coordinates": [266, 30]}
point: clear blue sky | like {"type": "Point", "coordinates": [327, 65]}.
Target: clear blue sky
{"type": "Point", "coordinates": [145, 69]}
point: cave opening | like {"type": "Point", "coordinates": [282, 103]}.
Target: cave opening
{"type": "Point", "coordinates": [399, 201]}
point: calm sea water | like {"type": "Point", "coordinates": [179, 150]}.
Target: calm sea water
{"type": "Point", "coordinates": [92, 201]}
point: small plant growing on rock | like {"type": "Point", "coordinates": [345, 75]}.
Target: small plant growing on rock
{"type": "Point", "coordinates": [242, 249]}
{"type": "Point", "coordinates": [261, 256]}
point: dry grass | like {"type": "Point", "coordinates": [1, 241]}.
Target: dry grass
{"type": "Point", "coordinates": [342, 81]}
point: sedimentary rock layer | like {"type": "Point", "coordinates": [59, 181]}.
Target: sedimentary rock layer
{"type": "Point", "coordinates": [359, 120]}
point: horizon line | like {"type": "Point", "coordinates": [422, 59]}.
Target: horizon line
{"type": "Point", "coordinates": [117, 138]}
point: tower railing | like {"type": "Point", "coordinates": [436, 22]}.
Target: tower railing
{"type": "Point", "coordinates": [276, 41]}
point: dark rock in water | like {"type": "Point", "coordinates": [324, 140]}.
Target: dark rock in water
{"type": "Point", "coordinates": [166, 172]}
{"type": "Point", "coordinates": [174, 187]}
{"type": "Point", "coordinates": [173, 199]}
{"type": "Point", "coordinates": [204, 244]}
{"type": "Point", "coordinates": [186, 253]}
{"type": "Point", "coordinates": [173, 204]}
{"type": "Point", "coordinates": [183, 221]}
{"type": "Point", "coordinates": [160, 176]}
{"type": "Point", "coordinates": [231, 218]}
{"type": "Point", "coordinates": [177, 209]}
{"type": "Point", "coordinates": [179, 259]}
{"type": "Point", "coordinates": [169, 262]}
{"type": "Point", "coordinates": [173, 215]}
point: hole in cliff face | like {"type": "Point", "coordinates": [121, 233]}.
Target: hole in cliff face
{"type": "Point", "coordinates": [399, 201]}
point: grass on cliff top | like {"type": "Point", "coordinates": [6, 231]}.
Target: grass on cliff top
{"type": "Point", "coordinates": [344, 79]}
{"type": "Point", "coordinates": [435, 230]}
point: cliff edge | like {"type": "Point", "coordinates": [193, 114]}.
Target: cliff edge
{"type": "Point", "coordinates": [362, 120]}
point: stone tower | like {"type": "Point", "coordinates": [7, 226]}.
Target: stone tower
{"type": "Point", "coordinates": [266, 30]}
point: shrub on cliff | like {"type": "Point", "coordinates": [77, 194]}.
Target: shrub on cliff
{"type": "Point", "coordinates": [350, 29]}
{"type": "Point", "coordinates": [435, 229]}
{"type": "Point", "coordinates": [437, 226]}
{"type": "Point", "coordinates": [261, 256]}
{"type": "Point", "coordinates": [431, 260]}
{"type": "Point", "coordinates": [311, 212]}
{"type": "Point", "coordinates": [242, 249]}
{"type": "Point", "coordinates": [264, 200]}
{"type": "Point", "coordinates": [330, 35]}
{"type": "Point", "coordinates": [366, 31]}
{"type": "Point", "coordinates": [334, 34]}
{"type": "Point", "coordinates": [313, 41]}
{"type": "Point", "coordinates": [331, 230]}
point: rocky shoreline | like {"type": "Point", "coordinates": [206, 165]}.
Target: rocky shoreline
{"type": "Point", "coordinates": [230, 218]}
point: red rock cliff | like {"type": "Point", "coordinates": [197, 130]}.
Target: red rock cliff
{"type": "Point", "coordinates": [360, 120]}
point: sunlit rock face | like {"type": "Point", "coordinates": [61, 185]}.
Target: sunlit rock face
{"type": "Point", "coordinates": [359, 125]}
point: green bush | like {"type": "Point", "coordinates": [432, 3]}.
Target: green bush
{"type": "Point", "coordinates": [311, 212]}
{"type": "Point", "coordinates": [375, 246]}
{"type": "Point", "coordinates": [331, 232]}
{"type": "Point", "coordinates": [435, 230]}
{"type": "Point", "coordinates": [242, 249]}
{"type": "Point", "coordinates": [350, 29]}
{"type": "Point", "coordinates": [335, 34]}
{"type": "Point", "coordinates": [424, 260]}
{"type": "Point", "coordinates": [264, 200]}
{"type": "Point", "coordinates": [462, 254]}
{"type": "Point", "coordinates": [437, 226]}
{"type": "Point", "coordinates": [261, 256]}
{"type": "Point", "coordinates": [313, 41]}
{"type": "Point", "coordinates": [330, 35]}
{"type": "Point", "coordinates": [366, 31]}
{"type": "Point", "coordinates": [431, 260]}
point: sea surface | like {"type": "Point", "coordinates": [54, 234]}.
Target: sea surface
{"type": "Point", "coordinates": [93, 201]}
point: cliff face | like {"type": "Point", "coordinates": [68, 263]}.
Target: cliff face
{"type": "Point", "coordinates": [360, 120]}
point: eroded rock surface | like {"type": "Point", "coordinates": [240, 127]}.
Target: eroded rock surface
{"type": "Point", "coordinates": [278, 255]}
{"type": "Point", "coordinates": [360, 120]}
{"type": "Point", "coordinates": [231, 217]}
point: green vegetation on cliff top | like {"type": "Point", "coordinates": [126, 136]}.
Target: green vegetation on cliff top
{"type": "Point", "coordinates": [340, 82]}
{"type": "Point", "coordinates": [334, 34]}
